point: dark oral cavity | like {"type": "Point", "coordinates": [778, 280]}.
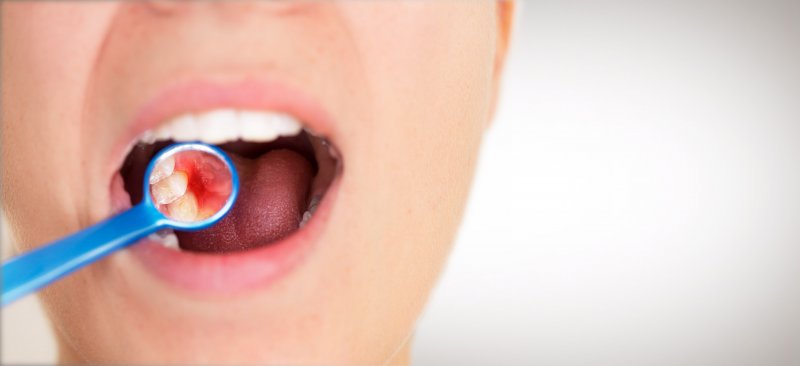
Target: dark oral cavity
{"type": "Point", "coordinates": [278, 183]}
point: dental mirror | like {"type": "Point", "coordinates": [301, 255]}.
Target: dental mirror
{"type": "Point", "coordinates": [193, 185]}
{"type": "Point", "coordinates": [187, 186]}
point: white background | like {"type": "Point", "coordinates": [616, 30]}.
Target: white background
{"type": "Point", "coordinates": [637, 200]}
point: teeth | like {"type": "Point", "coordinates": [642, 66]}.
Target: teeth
{"type": "Point", "coordinates": [226, 125]}
{"type": "Point", "coordinates": [184, 128]}
{"type": "Point", "coordinates": [170, 241]}
{"type": "Point", "coordinates": [312, 207]}
{"type": "Point", "coordinates": [170, 189]}
{"type": "Point", "coordinates": [306, 216]}
{"type": "Point", "coordinates": [331, 151]}
{"type": "Point", "coordinates": [257, 127]}
{"type": "Point", "coordinates": [162, 133]}
{"type": "Point", "coordinates": [184, 208]}
{"type": "Point", "coordinates": [167, 238]}
{"type": "Point", "coordinates": [286, 125]}
{"type": "Point", "coordinates": [148, 137]}
{"type": "Point", "coordinates": [218, 126]}
{"type": "Point", "coordinates": [162, 170]}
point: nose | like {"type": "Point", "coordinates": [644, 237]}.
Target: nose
{"type": "Point", "coordinates": [227, 8]}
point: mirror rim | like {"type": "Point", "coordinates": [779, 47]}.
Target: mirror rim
{"type": "Point", "coordinates": [191, 146]}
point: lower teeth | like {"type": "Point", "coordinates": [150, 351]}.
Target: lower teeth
{"type": "Point", "coordinates": [167, 238]}
{"type": "Point", "coordinates": [312, 207]}
{"type": "Point", "coordinates": [306, 216]}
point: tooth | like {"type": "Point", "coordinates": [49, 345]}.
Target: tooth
{"type": "Point", "coordinates": [218, 126]}
{"type": "Point", "coordinates": [306, 216]}
{"type": "Point", "coordinates": [162, 170]}
{"type": "Point", "coordinates": [170, 188]}
{"type": "Point", "coordinates": [286, 125]}
{"type": "Point", "coordinates": [166, 238]}
{"type": "Point", "coordinates": [184, 208]}
{"type": "Point", "coordinates": [162, 133]}
{"type": "Point", "coordinates": [256, 127]}
{"type": "Point", "coordinates": [312, 206]}
{"type": "Point", "coordinates": [224, 125]}
{"type": "Point", "coordinates": [158, 235]}
{"type": "Point", "coordinates": [147, 137]}
{"type": "Point", "coordinates": [170, 241]}
{"type": "Point", "coordinates": [184, 128]}
{"type": "Point", "coordinates": [331, 151]}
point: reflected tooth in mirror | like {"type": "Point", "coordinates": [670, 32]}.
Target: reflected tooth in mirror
{"type": "Point", "coordinates": [184, 128]}
{"type": "Point", "coordinates": [256, 127]}
{"type": "Point", "coordinates": [163, 169]}
{"type": "Point", "coordinates": [170, 189]}
{"type": "Point", "coordinates": [218, 126]}
{"type": "Point", "coordinates": [184, 208]}
{"type": "Point", "coordinates": [286, 125]}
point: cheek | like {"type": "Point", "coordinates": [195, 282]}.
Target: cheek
{"type": "Point", "coordinates": [430, 77]}
{"type": "Point", "coordinates": [47, 57]}
{"type": "Point", "coordinates": [430, 70]}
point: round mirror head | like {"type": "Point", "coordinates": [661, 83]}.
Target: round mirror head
{"type": "Point", "coordinates": [192, 184]}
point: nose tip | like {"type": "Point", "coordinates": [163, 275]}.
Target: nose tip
{"type": "Point", "coordinates": [226, 7]}
{"type": "Point", "coordinates": [166, 7]}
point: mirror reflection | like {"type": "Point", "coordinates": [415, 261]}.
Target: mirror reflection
{"type": "Point", "coordinates": [190, 185]}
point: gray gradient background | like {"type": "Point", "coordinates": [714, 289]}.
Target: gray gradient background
{"type": "Point", "coordinates": [637, 201]}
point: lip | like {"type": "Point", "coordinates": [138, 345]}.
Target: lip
{"type": "Point", "coordinates": [230, 273]}
{"type": "Point", "coordinates": [233, 273]}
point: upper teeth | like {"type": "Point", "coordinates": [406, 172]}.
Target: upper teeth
{"type": "Point", "coordinates": [224, 125]}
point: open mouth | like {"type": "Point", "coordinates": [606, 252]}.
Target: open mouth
{"type": "Point", "coordinates": [285, 171]}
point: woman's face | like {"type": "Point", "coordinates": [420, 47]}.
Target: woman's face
{"type": "Point", "coordinates": [401, 90]}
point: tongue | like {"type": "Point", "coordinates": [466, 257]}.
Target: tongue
{"type": "Point", "coordinates": [272, 199]}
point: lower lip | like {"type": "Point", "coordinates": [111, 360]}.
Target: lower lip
{"type": "Point", "coordinates": [232, 273]}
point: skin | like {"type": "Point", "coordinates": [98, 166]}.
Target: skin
{"type": "Point", "coordinates": [412, 83]}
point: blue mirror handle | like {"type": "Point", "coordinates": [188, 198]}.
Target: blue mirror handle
{"type": "Point", "coordinates": [33, 270]}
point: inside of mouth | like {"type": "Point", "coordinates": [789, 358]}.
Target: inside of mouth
{"type": "Point", "coordinates": [281, 184]}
